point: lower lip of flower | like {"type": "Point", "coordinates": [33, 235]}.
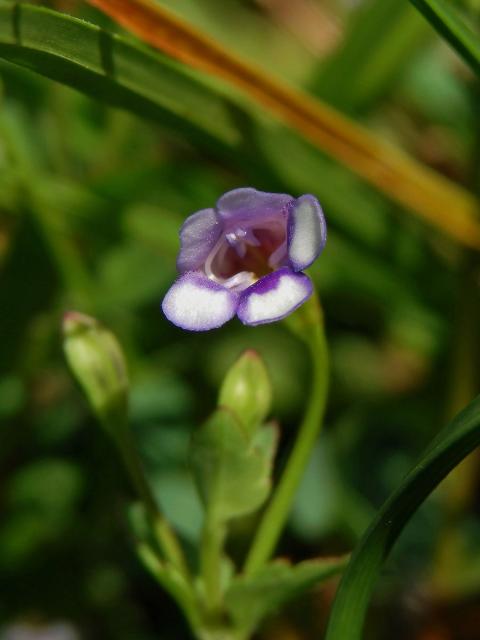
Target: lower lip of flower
{"type": "Point", "coordinates": [244, 254]}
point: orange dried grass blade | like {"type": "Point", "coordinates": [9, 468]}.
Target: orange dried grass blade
{"type": "Point", "coordinates": [445, 205]}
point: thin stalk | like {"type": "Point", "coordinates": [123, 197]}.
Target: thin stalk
{"type": "Point", "coordinates": [211, 558]}
{"type": "Point", "coordinates": [163, 532]}
{"type": "Point", "coordinates": [308, 325]}
{"type": "Point", "coordinates": [178, 589]}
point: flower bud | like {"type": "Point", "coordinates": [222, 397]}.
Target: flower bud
{"type": "Point", "coordinates": [247, 391]}
{"type": "Point", "coordinates": [97, 362]}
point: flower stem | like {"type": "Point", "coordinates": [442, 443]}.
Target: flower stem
{"type": "Point", "coordinates": [179, 589]}
{"type": "Point", "coordinates": [166, 537]}
{"type": "Point", "coordinates": [307, 323]}
{"type": "Point", "coordinates": [211, 558]}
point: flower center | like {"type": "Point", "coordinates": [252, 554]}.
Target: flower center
{"type": "Point", "coordinates": [245, 254]}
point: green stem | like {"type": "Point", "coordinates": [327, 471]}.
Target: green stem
{"type": "Point", "coordinates": [307, 323]}
{"type": "Point", "coordinates": [166, 537]}
{"type": "Point", "coordinates": [211, 556]}
{"type": "Point", "coordinates": [179, 589]}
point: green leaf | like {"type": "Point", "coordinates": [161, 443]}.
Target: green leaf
{"type": "Point", "coordinates": [458, 439]}
{"type": "Point", "coordinates": [232, 472]}
{"type": "Point", "coordinates": [445, 18]}
{"type": "Point", "coordinates": [250, 599]}
{"type": "Point", "coordinates": [110, 68]}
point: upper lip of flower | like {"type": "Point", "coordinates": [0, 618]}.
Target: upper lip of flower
{"type": "Point", "coordinates": [245, 256]}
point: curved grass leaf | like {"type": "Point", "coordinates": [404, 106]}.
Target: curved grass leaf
{"type": "Point", "coordinates": [110, 68]}
{"type": "Point", "coordinates": [442, 203]}
{"type": "Point", "coordinates": [458, 439]}
{"type": "Point", "coordinates": [446, 19]}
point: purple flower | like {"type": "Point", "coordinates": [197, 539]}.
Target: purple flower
{"type": "Point", "coordinates": [245, 257]}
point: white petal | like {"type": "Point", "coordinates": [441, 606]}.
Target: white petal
{"type": "Point", "coordinates": [307, 232]}
{"type": "Point", "coordinates": [274, 296]}
{"type": "Point", "coordinates": [196, 303]}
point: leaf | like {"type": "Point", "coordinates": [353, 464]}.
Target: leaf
{"type": "Point", "coordinates": [389, 169]}
{"type": "Point", "coordinates": [110, 68]}
{"type": "Point", "coordinates": [458, 439]}
{"type": "Point", "coordinates": [231, 471]}
{"type": "Point", "coordinates": [446, 19]}
{"type": "Point", "coordinates": [250, 599]}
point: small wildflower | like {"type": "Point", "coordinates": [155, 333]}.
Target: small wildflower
{"type": "Point", "coordinates": [245, 257]}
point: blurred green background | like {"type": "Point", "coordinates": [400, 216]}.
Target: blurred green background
{"type": "Point", "coordinates": [91, 199]}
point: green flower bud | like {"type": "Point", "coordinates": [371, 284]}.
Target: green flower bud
{"type": "Point", "coordinates": [247, 391]}
{"type": "Point", "coordinates": [97, 362]}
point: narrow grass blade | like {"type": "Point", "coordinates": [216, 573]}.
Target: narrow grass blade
{"type": "Point", "coordinates": [445, 18]}
{"type": "Point", "coordinates": [457, 440]}
{"type": "Point", "coordinates": [114, 70]}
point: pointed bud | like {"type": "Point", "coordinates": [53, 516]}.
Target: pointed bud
{"type": "Point", "coordinates": [247, 391]}
{"type": "Point", "coordinates": [97, 362]}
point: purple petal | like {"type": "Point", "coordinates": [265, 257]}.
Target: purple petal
{"type": "Point", "coordinates": [198, 236]}
{"type": "Point", "coordinates": [196, 303]}
{"type": "Point", "coordinates": [249, 206]}
{"type": "Point", "coordinates": [307, 232]}
{"type": "Point", "coordinates": [274, 296]}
